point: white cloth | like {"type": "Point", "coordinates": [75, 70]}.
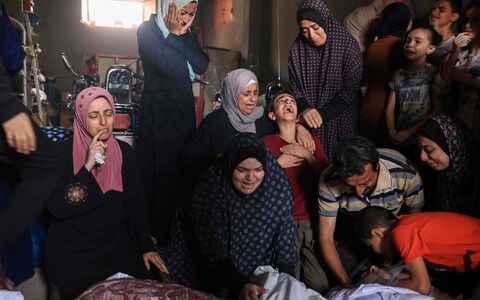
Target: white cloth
{"type": "Point", "coordinates": [282, 286]}
{"type": "Point", "coordinates": [10, 295]}
{"type": "Point", "coordinates": [358, 21]}
{"type": "Point", "coordinates": [444, 48]}
{"type": "Point", "coordinates": [377, 291]}
{"type": "Point", "coordinates": [118, 276]}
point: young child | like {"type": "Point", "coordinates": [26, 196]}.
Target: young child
{"type": "Point", "coordinates": [441, 241]}
{"type": "Point", "coordinates": [303, 169]}
{"type": "Point", "coordinates": [415, 89]}
{"type": "Point", "coordinates": [443, 18]}
{"type": "Point", "coordinates": [463, 67]}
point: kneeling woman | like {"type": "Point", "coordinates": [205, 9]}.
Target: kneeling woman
{"type": "Point", "coordinates": [98, 225]}
{"type": "Point", "coordinates": [448, 147]}
{"type": "Point", "coordinates": [242, 218]}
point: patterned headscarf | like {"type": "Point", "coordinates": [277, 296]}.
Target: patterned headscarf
{"type": "Point", "coordinates": [323, 75]}
{"type": "Point", "coordinates": [232, 86]}
{"type": "Point", "coordinates": [454, 182]}
{"type": "Point", "coordinates": [109, 176]}
{"type": "Point", "coordinates": [251, 230]}
{"type": "Point", "coordinates": [162, 12]}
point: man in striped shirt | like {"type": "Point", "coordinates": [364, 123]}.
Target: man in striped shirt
{"type": "Point", "coordinates": [362, 175]}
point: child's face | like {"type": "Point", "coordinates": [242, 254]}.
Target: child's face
{"type": "Point", "coordinates": [473, 21]}
{"type": "Point", "coordinates": [284, 108]}
{"type": "Point", "coordinates": [417, 44]}
{"type": "Point", "coordinates": [382, 244]}
{"type": "Point", "coordinates": [442, 15]}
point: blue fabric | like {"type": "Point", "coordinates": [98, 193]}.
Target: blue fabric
{"type": "Point", "coordinates": [11, 50]}
{"type": "Point", "coordinates": [17, 261]}
{"type": "Point", "coordinates": [58, 134]}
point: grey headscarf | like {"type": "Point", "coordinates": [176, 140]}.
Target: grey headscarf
{"type": "Point", "coordinates": [235, 82]}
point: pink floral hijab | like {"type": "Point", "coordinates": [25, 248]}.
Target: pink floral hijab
{"type": "Point", "coordinates": [109, 176]}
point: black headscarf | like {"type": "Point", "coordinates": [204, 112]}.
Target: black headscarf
{"type": "Point", "coordinates": [394, 20]}
{"type": "Point", "coordinates": [243, 231]}
{"type": "Point", "coordinates": [431, 129]}
{"type": "Point", "coordinates": [312, 15]}
{"type": "Point", "coordinates": [233, 157]}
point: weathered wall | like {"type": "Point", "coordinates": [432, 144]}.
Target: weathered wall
{"type": "Point", "coordinates": [252, 32]}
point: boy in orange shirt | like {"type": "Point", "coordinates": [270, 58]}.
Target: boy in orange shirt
{"type": "Point", "coordinates": [439, 241]}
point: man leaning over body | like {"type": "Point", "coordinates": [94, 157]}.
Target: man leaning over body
{"type": "Point", "coordinates": [361, 175]}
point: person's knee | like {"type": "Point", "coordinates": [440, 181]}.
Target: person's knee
{"type": "Point", "coordinates": [317, 281]}
{"type": "Point", "coordinates": [314, 274]}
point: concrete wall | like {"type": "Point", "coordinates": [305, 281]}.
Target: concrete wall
{"type": "Point", "coordinates": [62, 31]}
{"type": "Point", "coordinates": [253, 32]}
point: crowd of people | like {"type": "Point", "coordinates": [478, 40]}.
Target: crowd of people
{"type": "Point", "coordinates": [321, 184]}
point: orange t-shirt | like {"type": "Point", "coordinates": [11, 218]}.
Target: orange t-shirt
{"type": "Point", "coordinates": [442, 239]}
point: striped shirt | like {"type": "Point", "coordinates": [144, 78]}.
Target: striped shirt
{"type": "Point", "coordinates": [398, 182]}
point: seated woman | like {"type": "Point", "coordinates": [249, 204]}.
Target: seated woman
{"type": "Point", "coordinates": [242, 218]}
{"type": "Point", "coordinates": [98, 225]}
{"type": "Point", "coordinates": [239, 113]}
{"type": "Point", "coordinates": [447, 146]}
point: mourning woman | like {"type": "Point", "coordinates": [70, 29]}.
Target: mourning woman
{"type": "Point", "coordinates": [242, 218]}
{"type": "Point", "coordinates": [171, 56]}
{"type": "Point", "coordinates": [325, 69]}
{"type": "Point", "coordinates": [447, 146]}
{"type": "Point", "coordinates": [98, 225]}
{"type": "Point", "coordinates": [239, 113]}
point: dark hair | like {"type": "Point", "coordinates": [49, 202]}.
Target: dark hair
{"type": "Point", "coordinates": [394, 20]}
{"type": "Point", "coordinates": [463, 16]}
{"type": "Point", "coordinates": [274, 93]}
{"type": "Point", "coordinates": [433, 37]}
{"type": "Point", "coordinates": [271, 92]}
{"type": "Point", "coordinates": [352, 154]}
{"type": "Point", "coordinates": [456, 5]}
{"type": "Point", "coordinates": [471, 4]}
{"type": "Point", "coordinates": [372, 217]}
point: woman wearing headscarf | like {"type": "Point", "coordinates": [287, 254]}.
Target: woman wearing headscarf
{"type": "Point", "coordinates": [447, 146]}
{"type": "Point", "coordinates": [239, 113]}
{"type": "Point", "coordinates": [383, 57]}
{"type": "Point", "coordinates": [171, 56]}
{"type": "Point", "coordinates": [98, 225]}
{"type": "Point", "coordinates": [325, 69]}
{"type": "Point", "coordinates": [242, 218]}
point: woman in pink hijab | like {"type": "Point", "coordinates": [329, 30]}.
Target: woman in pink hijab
{"type": "Point", "coordinates": [99, 220]}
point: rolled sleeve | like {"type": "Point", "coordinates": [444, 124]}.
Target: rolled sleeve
{"type": "Point", "coordinates": [328, 204]}
{"type": "Point", "coordinates": [414, 197]}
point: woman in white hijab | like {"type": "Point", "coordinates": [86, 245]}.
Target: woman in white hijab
{"type": "Point", "coordinates": [171, 55]}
